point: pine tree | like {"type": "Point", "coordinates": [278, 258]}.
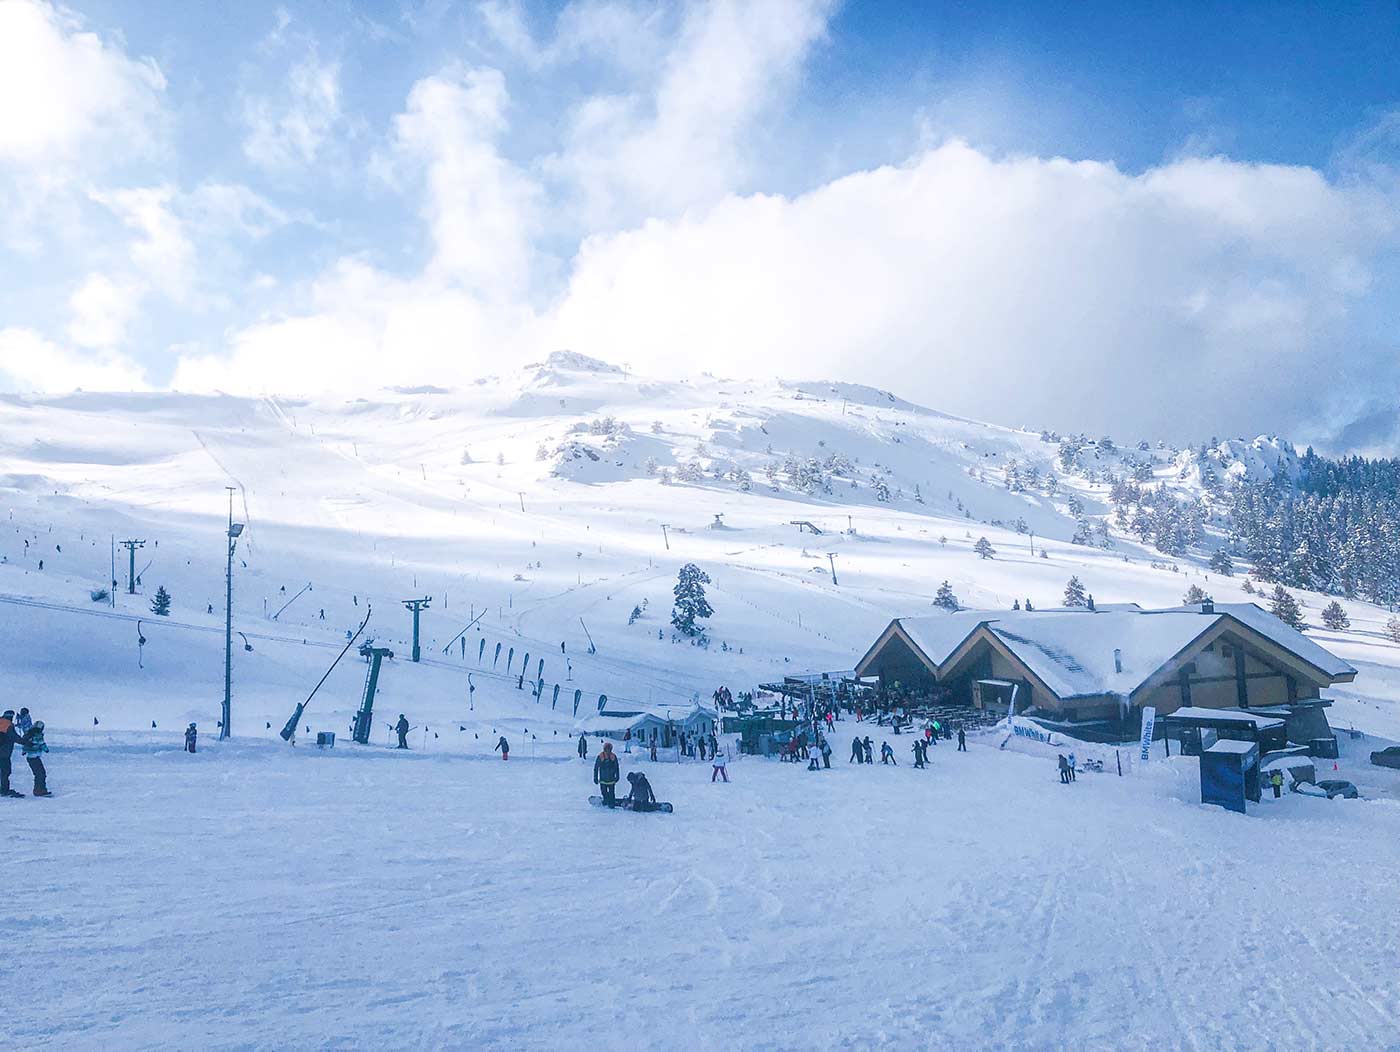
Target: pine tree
{"type": "Point", "coordinates": [1074, 593]}
{"type": "Point", "coordinates": [1334, 617]}
{"type": "Point", "coordinates": [946, 599]}
{"type": "Point", "coordinates": [1195, 594]}
{"type": "Point", "coordinates": [984, 548]}
{"type": "Point", "coordinates": [1392, 628]}
{"type": "Point", "coordinates": [1247, 587]}
{"type": "Point", "coordinates": [1221, 563]}
{"type": "Point", "coordinates": [691, 604]}
{"type": "Point", "coordinates": [1284, 607]}
{"type": "Point", "coordinates": [160, 605]}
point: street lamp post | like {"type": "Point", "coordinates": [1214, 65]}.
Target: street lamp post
{"type": "Point", "coordinates": [235, 529]}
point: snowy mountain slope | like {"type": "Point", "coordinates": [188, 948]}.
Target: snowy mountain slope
{"type": "Point", "coordinates": [537, 500]}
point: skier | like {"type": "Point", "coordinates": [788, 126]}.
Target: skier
{"type": "Point", "coordinates": [34, 747]}
{"type": "Point", "coordinates": [1064, 769]}
{"type": "Point", "coordinates": [718, 759]}
{"type": "Point", "coordinates": [191, 736]}
{"type": "Point", "coordinates": [937, 733]}
{"type": "Point", "coordinates": [887, 754]}
{"type": "Point", "coordinates": [641, 798]}
{"type": "Point", "coordinates": [401, 729]}
{"type": "Point", "coordinates": [1276, 781]}
{"type": "Point", "coordinates": [869, 750]}
{"type": "Point", "coordinates": [919, 747]}
{"type": "Point", "coordinates": [814, 762]}
{"type": "Point", "coordinates": [9, 738]}
{"type": "Point", "coordinates": [503, 747]}
{"type": "Point", "coordinates": [583, 747]}
{"type": "Point", "coordinates": [606, 771]}
{"type": "Point", "coordinates": [962, 739]}
{"type": "Point", "coordinates": [857, 752]}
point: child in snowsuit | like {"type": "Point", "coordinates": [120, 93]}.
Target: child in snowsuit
{"type": "Point", "coordinates": [887, 754]}
{"type": "Point", "coordinates": [606, 771]}
{"type": "Point", "coordinates": [503, 747]}
{"type": "Point", "coordinates": [23, 721]}
{"type": "Point", "coordinates": [34, 748]}
{"type": "Point", "coordinates": [1276, 781]}
{"type": "Point", "coordinates": [718, 759]}
{"type": "Point", "coordinates": [191, 735]}
{"type": "Point", "coordinates": [919, 747]}
{"type": "Point", "coordinates": [869, 750]}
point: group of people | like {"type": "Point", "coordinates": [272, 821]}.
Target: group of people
{"type": "Point", "coordinates": [28, 734]}
{"type": "Point", "coordinates": [607, 771]}
{"type": "Point", "coordinates": [1067, 767]}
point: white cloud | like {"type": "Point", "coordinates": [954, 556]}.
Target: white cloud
{"type": "Point", "coordinates": [160, 251]}
{"type": "Point", "coordinates": [67, 95]}
{"type": "Point", "coordinates": [1020, 289]}
{"type": "Point", "coordinates": [685, 140]}
{"type": "Point", "coordinates": [102, 308]}
{"type": "Point", "coordinates": [29, 362]}
{"type": "Point", "coordinates": [290, 129]}
{"type": "Point", "coordinates": [480, 209]}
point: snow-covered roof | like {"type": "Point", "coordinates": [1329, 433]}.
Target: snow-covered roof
{"type": "Point", "coordinates": [1072, 650]}
{"type": "Point", "coordinates": [1238, 748]}
{"type": "Point", "coordinates": [1196, 712]}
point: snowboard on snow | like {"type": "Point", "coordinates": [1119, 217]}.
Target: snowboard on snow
{"type": "Point", "coordinates": [626, 805]}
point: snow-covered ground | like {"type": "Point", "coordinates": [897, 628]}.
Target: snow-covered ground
{"type": "Point", "coordinates": [254, 896]}
{"type": "Point", "coordinates": [259, 896]}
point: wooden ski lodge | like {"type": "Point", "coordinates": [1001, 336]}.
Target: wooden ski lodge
{"type": "Point", "coordinates": [1077, 665]}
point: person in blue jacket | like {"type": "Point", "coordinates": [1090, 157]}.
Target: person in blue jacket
{"type": "Point", "coordinates": [34, 747]}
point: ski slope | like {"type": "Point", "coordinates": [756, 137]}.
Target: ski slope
{"type": "Point", "coordinates": [259, 895]}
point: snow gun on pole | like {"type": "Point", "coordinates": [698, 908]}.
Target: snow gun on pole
{"type": "Point", "coordinates": [291, 728]}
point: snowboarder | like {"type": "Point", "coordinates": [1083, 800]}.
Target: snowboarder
{"type": "Point", "coordinates": [641, 798]}
{"type": "Point", "coordinates": [1276, 781]}
{"type": "Point", "coordinates": [962, 739]}
{"type": "Point", "coordinates": [606, 771]}
{"type": "Point", "coordinates": [718, 759]}
{"type": "Point", "coordinates": [1064, 768]}
{"type": "Point", "coordinates": [857, 752]}
{"type": "Point", "coordinates": [583, 748]}
{"type": "Point", "coordinates": [887, 754]}
{"type": "Point", "coordinates": [191, 736]}
{"type": "Point", "coordinates": [34, 747]}
{"type": "Point", "coordinates": [9, 738]}
{"type": "Point", "coordinates": [503, 747]}
{"type": "Point", "coordinates": [869, 750]}
{"type": "Point", "coordinates": [401, 729]}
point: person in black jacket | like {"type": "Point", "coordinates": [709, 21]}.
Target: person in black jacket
{"type": "Point", "coordinates": [641, 798]}
{"type": "Point", "coordinates": [606, 771]}
{"type": "Point", "coordinates": [401, 729]}
{"type": "Point", "coordinates": [9, 738]}
{"type": "Point", "coordinates": [191, 737]}
{"type": "Point", "coordinates": [962, 739]}
{"type": "Point", "coordinates": [583, 746]}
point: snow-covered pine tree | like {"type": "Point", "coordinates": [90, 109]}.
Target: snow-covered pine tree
{"type": "Point", "coordinates": [1284, 607]}
{"type": "Point", "coordinates": [1075, 594]}
{"type": "Point", "coordinates": [984, 548]}
{"type": "Point", "coordinates": [160, 605]}
{"type": "Point", "coordinates": [945, 598]}
{"type": "Point", "coordinates": [1247, 588]}
{"type": "Point", "coordinates": [1221, 563]}
{"type": "Point", "coordinates": [1334, 617]}
{"type": "Point", "coordinates": [1195, 594]}
{"type": "Point", "coordinates": [1392, 628]}
{"type": "Point", "coordinates": [691, 604]}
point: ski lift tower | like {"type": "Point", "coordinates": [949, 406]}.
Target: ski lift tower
{"type": "Point", "coordinates": [364, 718]}
{"type": "Point", "coordinates": [417, 606]}
{"type": "Point", "coordinates": [235, 530]}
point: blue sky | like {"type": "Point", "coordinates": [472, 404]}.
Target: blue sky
{"type": "Point", "coordinates": [295, 197]}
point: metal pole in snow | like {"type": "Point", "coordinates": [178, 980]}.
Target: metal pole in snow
{"type": "Point", "coordinates": [832, 559]}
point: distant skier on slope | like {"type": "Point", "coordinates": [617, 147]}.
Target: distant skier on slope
{"type": "Point", "coordinates": [191, 737]}
{"type": "Point", "coordinates": [606, 771]}
{"type": "Point", "coordinates": [401, 729]}
{"type": "Point", "coordinates": [962, 739]}
{"type": "Point", "coordinates": [503, 747]}
{"type": "Point", "coordinates": [887, 754]}
{"type": "Point", "coordinates": [718, 760]}
{"type": "Point", "coordinates": [583, 747]}
{"type": "Point", "coordinates": [641, 797]}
